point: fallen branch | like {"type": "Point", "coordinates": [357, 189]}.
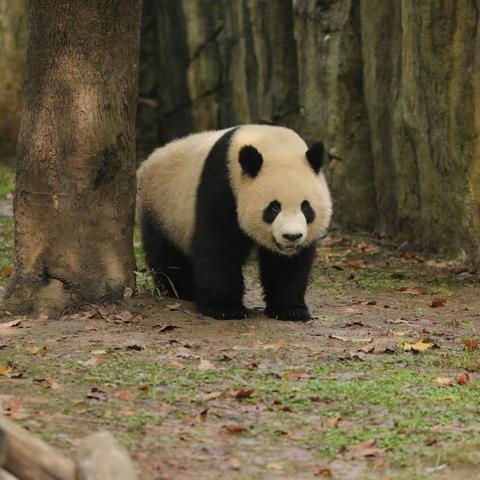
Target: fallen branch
{"type": "Point", "coordinates": [28, 458]}
{"type": "Point", "coordinates": [4, 475]}
{"type": "Point", "coordinates": [101, 457]}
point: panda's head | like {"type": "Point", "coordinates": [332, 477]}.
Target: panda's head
{"type": "Point", "coordinates": [283, 201]}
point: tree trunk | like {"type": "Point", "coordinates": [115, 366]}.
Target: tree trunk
{"type": "Point", "coordinates": [296, 64]}
{"type": "Point", "coordinates": [333, 108]}
{"type": "Point", "coordinates": [13, 39]}
{"type": "Point", "coordinates": [74, 205]}
{"type": "Point", "coordinates": [390, 86]}
{"type": "Point", "coordinates": [421, 78]}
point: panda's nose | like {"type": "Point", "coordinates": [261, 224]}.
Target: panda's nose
{"type": "Point", "coordinates": [292, 237]}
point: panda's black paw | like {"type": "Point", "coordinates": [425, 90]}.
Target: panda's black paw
{"type": "Point", "coordinates": [224, 312]}
{"type": "Point", "coordinates": [288, 312]}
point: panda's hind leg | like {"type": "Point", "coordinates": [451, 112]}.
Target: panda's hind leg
{"type": "Point", "coordinates": [172, 270]}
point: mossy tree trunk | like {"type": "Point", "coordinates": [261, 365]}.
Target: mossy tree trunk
{"type": "Point", "coordinates": [74, 204]}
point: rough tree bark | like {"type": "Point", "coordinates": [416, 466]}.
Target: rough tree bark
{"type": "Point", "coordinates": [421, 86]}
{"type": "Point", "coordinates": [390, 86]}
{"type": "Point", "coordinates": [333, 107]}
{"type": "Point", "coordinates": [74, 204]}
{"type": "Point", "coordinates": [13, 39]}
{"type": "Point", "coordinates": [281, 62]}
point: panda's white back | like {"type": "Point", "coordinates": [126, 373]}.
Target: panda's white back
{"type": "Point", "coordinates": [168, 180]}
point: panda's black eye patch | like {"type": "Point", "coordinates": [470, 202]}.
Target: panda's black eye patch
{"type": "Point", "coordinates": [307, 211]}
{"type": "Point", "coordinates": [271, 212]}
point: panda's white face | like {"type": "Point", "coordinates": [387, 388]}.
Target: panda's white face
{"type": "Point", "coordinates": [297, 217]}
{"type": "Point", "coordinates": [283, 201]}
{"type": "Point", "coordinates": [289, 226]}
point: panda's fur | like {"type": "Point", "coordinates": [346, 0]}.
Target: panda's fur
{"type": "Point", "coordinates": [205, 200]}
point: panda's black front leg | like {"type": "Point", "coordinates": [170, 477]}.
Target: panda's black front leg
{"type": "Point", "coordinates": [284, 279]}
{"type": "Point", "coordinates": [219, 283]}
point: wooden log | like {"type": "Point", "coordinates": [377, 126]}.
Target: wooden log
{"type": "Point", "coordinates": [4, 475]}
{"type": "Point", "coordinates": [28, 458]}
{"type": "Point", "coordinates": [101, 457]}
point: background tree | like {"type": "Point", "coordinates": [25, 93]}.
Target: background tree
{"type": "Point", "coordinates": [390, 86]}
{"type": "Point", "coordinates": [13, 39]}
{"type": "Point", "coordinates": [74, 203]}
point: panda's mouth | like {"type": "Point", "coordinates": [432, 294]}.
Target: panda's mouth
{"type": "Point", "coordinates": [287, 248]}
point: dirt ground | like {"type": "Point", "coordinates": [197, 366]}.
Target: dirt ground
{"type": "Point", "coordinates": [382, 383]}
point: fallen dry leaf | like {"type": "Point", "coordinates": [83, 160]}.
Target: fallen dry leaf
{"type": "Point", "coordinates": [206, 365]}
{"type": "Point", "coordinates": [135, 346]}
{"type": "Point", "coordinates": [38, 350]}
{"type": "Point", "coordinates": [240, 393]}
{"type": "Point", "coordinates": [463, 379]}
{"type": "Point", "coordinates": [357, 264]}
{"type": "Point", "coordinates": [274, 346]}
{"type": "Point", "coordinates": [165, 328]}
{"type": "Point", "coordinates": [125, 316]}
{"type": "Point", "coordinates": [296, 375]}
{"type": "Point", "coordinates": [97, 394]}
{"type": "Point", "coordinates": [173, 306]}
{"type": "Point", "coordinates": [414, 290]}
{"type": "Point", "coordinates": [444, 381]}
{"type": "Point", "coordinates": [92, 362]}
{"type": "Point", "coordinates": [367, 247]}
{"type": "Point", "coordinates": [400, 320]}
{"type": "Point", "coordinates": [351, 339]}
{"type": "Point", "coordinates": [364, 449]}
{"type": "Point", "coordinates": [274, 466]}
{"type": "Point", "coordinates": [124, 395]}
{"type": "Point", "coordinates": [52, 384]}
{"type": "Point", "coordinates": [6, 326]}
{"type": "Point", "coordinates": [234, 463]}
{"type": "Point", "coordinates": [6, 272]}
{"type": "Point", "coordinates": [5, 371]}
{"type": "Point", "coordinates": [324, 472]}
{"type": "Point", "coordinates": [10, 406]}
{"type": "Point", "coordinates": [355, 323]}
{"type": "Point", "coordinates": [199, 417]}
{"type": "Point", "coordinates": [211, 396]}
{"type": "Point", "coordinates": [98, 352]}
{"type": "Point", "coordinates": [175, 364]}
{"type": "Point", "coordinates": [470, 344]}
{"type": "Point", "coordinates": [234, 429]}
{"type": "Point", "coordinates": [333, 422]}
{"type": "Point", "coordinates": [438, 302]}
{"type": "Point", "coordinates": [420, 346]}
{"type": "Point", "coordinates": [379, 349]}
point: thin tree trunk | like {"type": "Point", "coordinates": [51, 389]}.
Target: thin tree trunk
{"type": "Point", "coordinates": [74, 205]}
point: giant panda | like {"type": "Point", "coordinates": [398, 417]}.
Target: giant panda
{"type": "Point", "coordinates": [204, 201]}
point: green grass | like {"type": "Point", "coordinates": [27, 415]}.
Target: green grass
{"type": "Point", "coordinates": [395, 401]}
{"type": "Point", "coordinates": [7, 181]}
{"type": "Point", "coordinates": [6, 248]}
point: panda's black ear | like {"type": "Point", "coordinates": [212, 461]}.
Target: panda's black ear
{"type": "Point", "coordinates": [251, 160]}
{"type": "Point", "coordinates": [315, 156]}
